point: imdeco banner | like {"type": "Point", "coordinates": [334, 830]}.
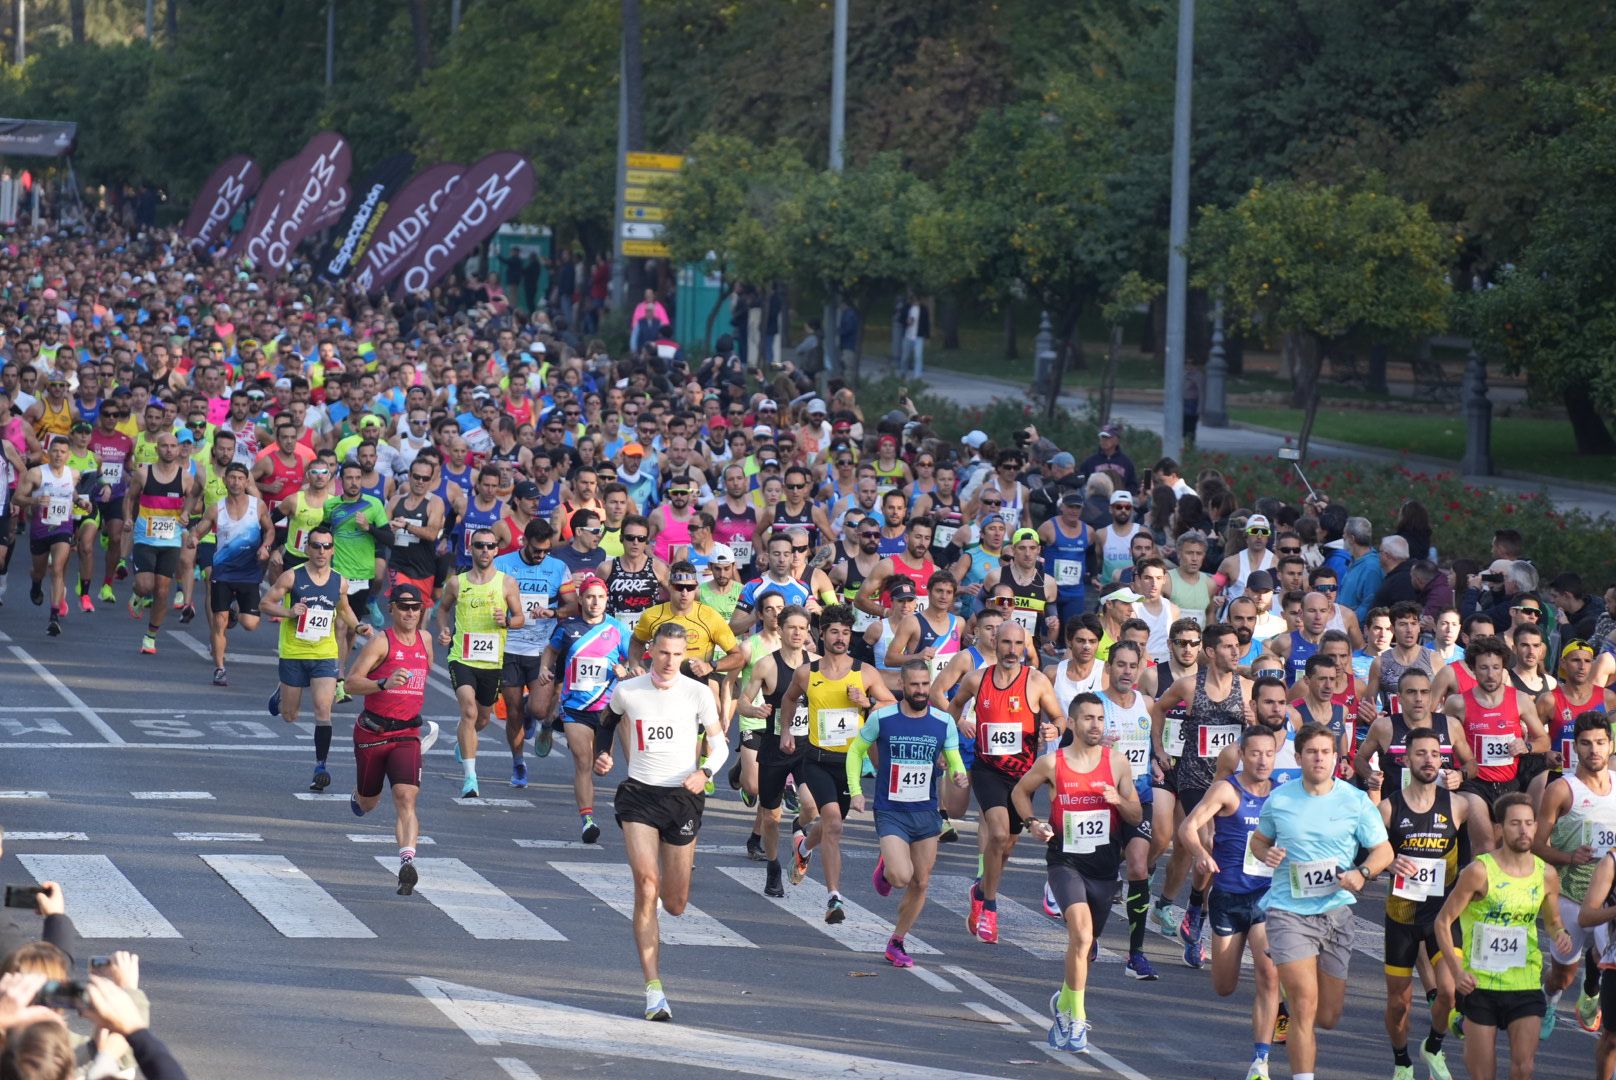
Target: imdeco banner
{"type": "Point", "coordinates": [408, 216]}
{"type": "Point", "coordinates": [290, 199]}
{"type": "Point", "coordinates": [232, 184]}
{"type": "Point", "coordinates": [492, 192]}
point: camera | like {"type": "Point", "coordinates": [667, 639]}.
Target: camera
{"type": "Point", "coordinates": [22, 896]}
{"type": "Point", "coordinates": [58, 994]}
{"type": "Point", "coordinates": [1493, 579]}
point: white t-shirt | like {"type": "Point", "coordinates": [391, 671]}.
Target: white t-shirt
{"type": "Point", "coordinates": [663, 727]}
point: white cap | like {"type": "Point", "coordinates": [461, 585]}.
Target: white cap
{"type": "Point", "coordinates": [768, 403]}
{"type": "Point", "coordinates": [722, 553]}
{"type": "Point", "coordinates": [763, 431]}
{"type": "Point", "coordinates": [817, 405]}
{"type": "Point", "coordinates": [1122, 498]}
{"type": "Point", "coordinates": [975, 438]}
{"type": "Point", "coordinates": [1257, 521]}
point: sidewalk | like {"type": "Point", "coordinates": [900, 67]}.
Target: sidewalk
{"type": "Point", "coordinates": [1248, 441]}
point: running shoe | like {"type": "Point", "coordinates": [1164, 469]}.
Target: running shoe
{"type": "Point", "coordinates": [36, 593]}
{"type": "Point", "coordinates": [1403, 1072]}
{"type": "Point", "coordinates": [987, 927]}
{"type": "Point", "coordinates": [1282, 1024]}
{"type": "Point", "coordinates": [136, 605]}
{"type": "Point", "coordinates": [321, 779]}
{"type": "Point", "coordinates": [799, 860]}
{"type": "Point", "coordinates": [86, 604]}
{"type": "Point", "coordinates": [1195, 954]}
{"type": "Point", "coordinates": [734, 776]}
{"type": "Point", "coordinates": [220, 677]}
{"type": "Point", "coordinates": [1060, 1033]}
{"type": "Point", "coordinates": [179, 598]}
{"type": "Point", "coordinates": [1588, 1013]}
{"type": "Point", "coordinates": [656, 1006]}
{"type": "Point", "coordinates": [1079, 1042]}
{"type": "Point", "coordinates": [107, 595]}
{"type": "Point", "coordinates": [353, 804]}
{"type": "Point", "coordinates": [883, 887]}
{"type": "Point", "coordinates": [543, 741]}
{"type": "Point", "coordinates": [61, 609]}
{"type": "Point", "coordinates": [1138, 967]}
{"type": "Point", "coordinates": [530, 726]}
{"type": "Point", "coordinates": [429, 736]}
{"type": "Point", "coordinates": [1258, 1070]}
{"type": "Point", "coordinates": [468, 790]}
{"type": "Point", "coordinates": [754, 848]}
{"type": "Point", "coordinates": [1167, 919]}
{"type": "Point", "coordinates": [1189, 927]}
{"type": "Point", "coordinates": [274, 705]}
{"type": "Point", "coordinates": [748, 800]}
{"type": "Point", "coordinates": [407, 877]}
{"type": "Point", "coordinates": [122, 571]}
{"type": "Point", "coordinates": [1456, 1024]}
{"type": "Point", "coordinates": [54, 627]}
{"type": "Point", "coordinates": [835, 911]}
{"type": "Point", "coordinates": [1051, 905]}
{"type": "Point", "coordinates": [148, 645]}
{"type": "Point", "coordinates": [974, 915]}
{"type": "Point", "coordinates": [499, 707]}
{"type": "Point", "coordinates": [519, 774]}
{"type": "Point", "coordinates": [188, 612]}
{"type": "Point", "coordinates": [948, 834]}
{"type": "Point", "coordinates": [1436, 1064]}
{"type": "Point", "coordinates": [772, 885]}
{"type": "Point", "coordinates": [896, 956]}
{"type": "Point", "coordinates": [591, 831]}
{"type": "Point", "coordinates": [1545, 1027]}
{"type": "Point", "coordinates": [789, 800]}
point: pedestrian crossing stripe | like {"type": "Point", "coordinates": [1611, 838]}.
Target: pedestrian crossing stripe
{"type": "Point", "coordinates": [481, 908]}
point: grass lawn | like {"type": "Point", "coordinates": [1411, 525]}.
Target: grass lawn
{"type": "Point", "coordinates": [1534, 446]}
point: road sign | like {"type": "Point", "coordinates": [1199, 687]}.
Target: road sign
{"type": "Point", "coordinates": [643, 213]}
{"type": "Point", "coordinates": [649, 249]}
{"type": "Point", "coordinates": [636, 194]}
{"type": "Point", "coordinates": [645, 176]}
{"type": "Point", "coordinates": [659, 162]}
{"type": "Point", "coordinates": [641, 230]}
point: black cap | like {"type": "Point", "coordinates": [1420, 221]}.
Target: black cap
{"type": "Point", "coordinates": [1072, 498]}
{"type": "Point", "coordinates": [1259, 581]}
{"type": "Point", "coordinates": [527, 489]}
{"type": "Point", "coordinates": [405, 593]}
{"type": "Point", "coordinates": [902, 590]}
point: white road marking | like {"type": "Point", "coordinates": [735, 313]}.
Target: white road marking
{"type": "Point", "coordinates": [16, 835]}
{"type": "Point", "coordinates": [77, 703]}
{"type": "Point", "coordinates": [1038, 1021]}
{"type": "Point", "coordinates": [24, 795]}
{"type": "Point", "coordinates": [321, 796]}
{"type": "Point", "coordinates": [994, 1016]}
{"type": "Point", "coordinates": [287, 897]}
{"type": "Point", "coordinates": [197, 795]}
{"type": "Point", "coordinates": [490, 1018]}
{"type": "Point", "coordinates": [102, 902]}
{"type": "Point", "coordinates": [933, 980]}
{"type": "Point", "coordinates": [862, 930]}
{"type": "Point", "coordinates": [1019, 925]}
{"type": "Point", "coordinates": [477, 904]}
{"type": "Point", "coordinates": [206, 652]}
{"type": "Point", "coordinates": [386, 838]}
{"type": "Point", "coordinates": [516, 1069]}
{"type": "Point", "coordinates": [493, 802]}
{"type": "Point", "coordinates": [563, 845]}
{"type": "Point", "coordinates": [220, 837]}
{"type": "Point", "coordinates": [612, 884]}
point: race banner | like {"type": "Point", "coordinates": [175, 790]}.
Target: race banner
{"type": "Point", "coordinates": [327, 169]}
{"type": "Point", "coordinates": [491, 193]}
{"type": "Point", "coordinates": [409, 213]}
{"type": "Point", "coordinates": [231, 185]}
{"type": "Point", "coordinates": [332, 211]}
{"type": "Point", "coordinates": [279, 191]}
{"type": "Point", "coordinates": [365, 212]}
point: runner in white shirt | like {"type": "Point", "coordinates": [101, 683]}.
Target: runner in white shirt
{"type": "Point", "coordinates": [659, 806]}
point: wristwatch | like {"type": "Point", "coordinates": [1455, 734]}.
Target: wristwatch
{"type": "Point", "coordinates": [708, 771]}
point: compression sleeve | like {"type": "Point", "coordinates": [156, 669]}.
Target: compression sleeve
{"type": "Point", "coordinates": [956, 764]}
{"type": "Point", "coordinates": [856, 750]}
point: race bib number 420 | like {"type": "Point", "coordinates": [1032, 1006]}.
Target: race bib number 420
{"type": "Point", "coordinates": [315, 625]}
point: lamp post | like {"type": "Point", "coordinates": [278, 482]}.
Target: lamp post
{"type": "Point", "coordinates": [1178, 230]}
{"type": "Point", "coordinates": [1214, 410]}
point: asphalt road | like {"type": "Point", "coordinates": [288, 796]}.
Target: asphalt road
{"type": "Point", "coordinates": [273, 944]}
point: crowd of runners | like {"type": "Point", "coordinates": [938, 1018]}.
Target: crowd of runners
{"type": "Point", "coordinates": [709, 573]}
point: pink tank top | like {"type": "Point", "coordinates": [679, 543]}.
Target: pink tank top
{"type": "Point", "coordinates": [675, 533]}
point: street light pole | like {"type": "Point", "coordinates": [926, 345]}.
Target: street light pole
{"type": "Point", "coordinates": [330, 42]}
{"type": "Point", "coordinates": [619, 281]}
{"type": "Point", "coordinates": [838, 136]}
{"type": "Point", "coordinates": [1179, 229]}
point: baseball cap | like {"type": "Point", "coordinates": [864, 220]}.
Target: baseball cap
{"type": "Point", "coordinates": [763, 431]}
{"type": "Point", "coordinates": [771, 461]}
{"type": "Point", "coordinates": [405, 593]}
{"type": "Point", "coordinates": [1025, 534]}
{"type": "Point", "coordinates": [1259, 581]}
{"type": "Point", "coordinates": [975, 438]}
{"type": "Point", "coordinates": [717, 422]}
{"type": "Point", "coordinates": [842, 424]}
{"type": "Point", "coordinates": [527, 489]}
{"type": "Point", "coordinates": [1257, 521]}
{"type": "Point", "coordinates": [1111, 431]}
{"type": "Point", "coordinates": [816, 406]}
{"type": "Point", "coordinates": [283, 383]}
{"type": "Point", "coordinates": [902, 590]}
{"type": "Point", "coordinates": [680, 484]}
{"type": "Point", "coordinates": [1072, 498]}
{"type": "Point", "coordinates": [1122, 498]}
{"type": "Point", "coordinates": [722, 553]}
{"type": "Point", "coordinates": [1063, 460]}
{"type": "Point", "coordinates": [371, 420]}
{"type": "Point", "coordinates": [184, 435]}
{"type": "Point", "coordinates": [768, 404]}
{"type": "Point", "coordinates": [633, 449]}
{"type": "Point", "coordinates": [1122, 594]}
{"type": "Point", "coordinates": [591, 581]}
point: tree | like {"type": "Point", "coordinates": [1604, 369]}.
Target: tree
{"type": "Point", "coordinates": [1323, 263]}
{"type": "Point", "coordinates": [1132, 291]}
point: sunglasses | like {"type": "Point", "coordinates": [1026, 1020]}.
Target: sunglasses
{"type": "Point", "coordinates": [684, 588]}
{"type": "Point", "coordinates": [593, 530]}
{"type": "Point", "coordinates": [1327, 589]}
{"type": "Point", "coordinates": [1290, 551]}
{"type": "Point", "coordinates": [1187, 643]}
{"type": "Point", "coordinates": [991, 502]}
{"type": "Point", "coordinates": [483, 545]}
{"type": "Point", "coordinates": [314, 545]}
{"type": "Point", "coordinates": [1535, 613]}
{"type": "Point", "coordinates": [1257, 532]}
{"type": "Point", "coordinates": [799, 550]}
{"type": "Point", "coordinates": [406, 607]}
{"type": "Point", "coordinates": [639, 538]}
{"type": "Point", "coordinates": [319, 472]}
{"type": "Point", "coordinates": [870, 535]}
{"type": "Point", "coordinates": [796, 487]}
{"type": "Point", "coordinates": [418, 476]}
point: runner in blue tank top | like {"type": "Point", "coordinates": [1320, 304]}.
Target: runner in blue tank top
{"type": "Point", "coordinates": [1066, 541]}
{"type": "Point", "coordinates": [1232, 807]}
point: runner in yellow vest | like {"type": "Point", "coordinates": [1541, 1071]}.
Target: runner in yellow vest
{"type": "Point", "coordinates": [483, 603]}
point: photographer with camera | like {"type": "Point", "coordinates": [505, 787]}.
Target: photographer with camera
{"type": "Point", "coordinates": [37, 1044]}
{"type": "Point", "coordinates": [46, 902]}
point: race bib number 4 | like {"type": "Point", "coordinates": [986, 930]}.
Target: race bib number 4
{"type": "Point", "coordinates": [909, 781]}
{"type": "Point", "coordinates": [998, 740]}
{"type": "Point", "coordinates": [1213, 739]}
{"type": "Point", "coordinates": [315, 625]}
{"type": "Point", "coordinates": [1085, 831]}
{"type": "Point", "coordinates": [1429, 879]}
{"type": "Point", "coordinates": [1497, 949]}
{"type": "Point", "coordinates": [1316, 878]}
{"type": "Point", "coordinates": [1495, 749]}
{"type": "Point", "coordinates": [480, 648]}
{"type": "Point", "coordinates": [837, 727]}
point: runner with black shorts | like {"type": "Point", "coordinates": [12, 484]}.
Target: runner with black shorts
{"type": "Point", "coordinates": [770, 678]}
{"type": "Point", "coordinates": [160, 495]}
{"type": "Point", "coordinates": [243, 534]}
{"type": "Point", "coordinates": [1094, 799]}
{"type": "Point", "coordinates": [1017, 715]}
{"type": "Point", "coordinates": [389, 737]}
{"type": "Point", "coordinates": [1500, 723]}
{"type": "Point", "coordinates": [1127, 732]}
{"type": "Point", "coordinates": [659, 805]}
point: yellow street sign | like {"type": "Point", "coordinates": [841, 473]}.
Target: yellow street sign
{"type": "Point", "coordinates": [654, 249]}
{"type": "Point", "coordinates": [637, 195]}
{"type": "Point", "coordinates": [661, 162]}
{"type": "Point", "coordinates": [643, 213]}
{"type": "Point", "coordinates": [645, 177]}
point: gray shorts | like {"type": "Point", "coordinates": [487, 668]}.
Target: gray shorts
{"type": "Point", "coordinates": [1301, 937]}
